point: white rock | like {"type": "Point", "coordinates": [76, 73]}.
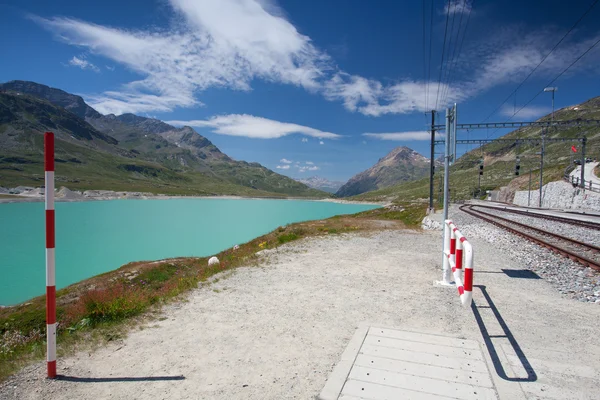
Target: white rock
{"type": "Point", "coordinates": [236, 247]}
{"type": "Point", "coordinates": [213, 261]}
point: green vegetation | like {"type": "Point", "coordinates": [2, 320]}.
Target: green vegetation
{"type": "Point", "coordinates": [410, 214]}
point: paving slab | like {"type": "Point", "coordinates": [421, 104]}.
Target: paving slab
{"type": "Point", "coordinates": [385, 363]}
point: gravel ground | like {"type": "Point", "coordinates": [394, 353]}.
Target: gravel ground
{"type": "Point", "coordinates": [570, 278]}
{"type": "Point", "coordinates": [277, 330]}
{"type": "Point", "coordinates": [581, 233]}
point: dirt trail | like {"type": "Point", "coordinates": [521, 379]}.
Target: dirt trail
{"type": "Point", "coordinates": [276, 331]}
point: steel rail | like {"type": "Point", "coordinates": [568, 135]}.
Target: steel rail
{"type": "Point", "coordinates": [560, 250]}
{"type": "Point", "coordinates": [587, 224]}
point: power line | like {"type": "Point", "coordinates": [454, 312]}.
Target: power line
{"type": "Point", "coordinates": [558, 76]}
{"type": "Point", "coordinates": [451, 58]}
{"type": "Point", "coordinates": [424, 56]}
{"type": "Point", "coordinates": [443, 53]}
{"type": "Point", "coordinates": [451, 77]}
{"type": "Point", "coordinates": [551, 82]}
{"type": "Point", "coordinates": [429, 59]}
{"type": "Point", "coordinates": [543, 59]}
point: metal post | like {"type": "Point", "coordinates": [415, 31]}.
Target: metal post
{"type": "Point", "coordinates": [50, 248]}
{"type": "Point", "coordinates": [583, 141]}
{"type": "Point", "coordinates": [446, 265]}
{"type": "Point", "coordinates": [529, 193]}
{"type": "Point", "coordinates": [553, 105]}
{"type": "Point", "coordinates": [542, 166]}
{"type": "Point", "coordinates": [432, 161]}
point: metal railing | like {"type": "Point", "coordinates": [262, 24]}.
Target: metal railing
{"type": "Point", "coordinates": [455, 244]}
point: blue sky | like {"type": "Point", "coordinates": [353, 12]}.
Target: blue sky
{"type": "Point", "coordinates": [315, 83]}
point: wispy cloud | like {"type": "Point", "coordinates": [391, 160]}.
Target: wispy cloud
{"type": "Point", "coordinates": [254, 127]}
{"type": "Point", "coordinates": [529, 112]}
{"type": "Point", "coordinates": [304, 140]}
{"type": "Point", "coordinates": [307, 168]}
{"type": "Point", "coordinates": [309, 163]}
{"type": "Point", "coordinates": [110, 68]}
{"type": "Point", "coordinates": [321, 142]}
{"type": "Point", "coordinates": [285, 161]}
{"type": "Point", "coordinates": [401, 136]}
{"type": "Point", "coordinates": [82, 63]}
{"type": "Point", "coordinates": [231, 43]}
{"type": "Point", "coordinates": [283, 167]}
{"type": "Point", "coordinates": [458, 7]}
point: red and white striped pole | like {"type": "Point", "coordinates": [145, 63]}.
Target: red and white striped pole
{"type": "Point", "coordinates": [50, 265]}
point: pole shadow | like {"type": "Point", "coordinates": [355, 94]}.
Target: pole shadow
{"type": "Point", "coordinates": [67, 378]}
{"type": "Point", "coordinates": [531, 375]}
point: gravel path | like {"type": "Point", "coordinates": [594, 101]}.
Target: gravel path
{"type": "Point", "coordinates": [569, 277]}
{"type": "Point", "coordinates": [276, 331]}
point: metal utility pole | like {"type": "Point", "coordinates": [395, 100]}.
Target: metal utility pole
{"type": "Point", "coordinates": [450, 124]}
{"type": "Point", "coordinates": [551, 89]}
{"type": "Point", "coordinates": [583, 161]}
{"type": "Point", "coordinates": [529, 194]}
{"type": "Point", "coordinates": [432, 161]}
{"type": "Point", "coordinates": [542, 166]}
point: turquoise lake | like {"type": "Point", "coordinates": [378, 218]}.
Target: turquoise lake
{"type": "Point", "coordinates": [99, 236]}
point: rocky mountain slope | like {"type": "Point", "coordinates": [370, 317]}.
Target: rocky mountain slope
{"type": "Point", "coordinates": [150, 155]}
{"type": "Point", "coordinates": [500, 160]}
{"type": "Point", "coordinates": [316, 182]}
{"type": "Point", "coordinates": [401, 165]}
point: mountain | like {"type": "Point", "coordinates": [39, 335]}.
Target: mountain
{"type": "Point", "coordinates": [125, 152]}
{"type": "Point", "coordinates": [316, 182]}
{"type": "Point", "coordinates": [500, 160]}
{"type": "Point", "coordinates": [401, 165]}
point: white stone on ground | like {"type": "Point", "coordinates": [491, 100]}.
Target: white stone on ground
{"type": "Point", "coordinates": [213, 261]}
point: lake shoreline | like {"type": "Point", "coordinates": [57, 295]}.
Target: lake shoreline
{"type": "Point", "coordinates": [104, 195]}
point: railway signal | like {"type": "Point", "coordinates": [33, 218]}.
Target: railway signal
{"type": "Point", "coordinates": [518, 167]}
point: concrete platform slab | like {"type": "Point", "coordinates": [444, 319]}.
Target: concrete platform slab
{"type": "Point", "coordinates": [385, 363]}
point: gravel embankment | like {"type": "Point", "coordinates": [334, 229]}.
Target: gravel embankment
{"type": "Point", "coordinates": [581, 233]}
{"type": "Point", "coordinates": [570, 278]}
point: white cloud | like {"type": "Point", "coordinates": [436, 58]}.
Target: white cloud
{"type": "Point", "coordinates": [310, 163]}
{"type": "Point", "coordinates": [285, 161]}
{"type": "Point", "coordinates": [304, 140]}
{"type": "Point", "coordinates": [321, 142]}
{"type": "Point", "coordinates": [283, 167]}
{"type": "Point", "coordinates": [231, 43]}
{"type": "Point", "coordinates": [110, 68]}
{"type": "Point", "coordinates": [401, 136]}
{"type": "Point", "coordinates": [82, 63]}
{"type": "Point", "coordinates": [305, 168]}
{"type": "Point", "coordinates": [529, 112]}
{"type": "Point", "coordinates": [458, 7]}
{"type": "Point", "coordinates": [254, 127]}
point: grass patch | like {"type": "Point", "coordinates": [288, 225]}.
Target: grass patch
{"type": "Point", "coordinates": [410, 214]}
{"type": "Point", "coordinates": [281, 239]}
{"type": "Point", "coordinates": [103, 308]}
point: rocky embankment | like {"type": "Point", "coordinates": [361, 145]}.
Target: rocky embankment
{"type": "Point", "coordinates": [65, 194]}
{"type": "Point", "coordinates": [561, 195]}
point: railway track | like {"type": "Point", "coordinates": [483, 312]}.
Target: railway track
{"type": "Point", "coordinates": [584, 253]}
{"type": "Point", "coordinates": [587, 224]}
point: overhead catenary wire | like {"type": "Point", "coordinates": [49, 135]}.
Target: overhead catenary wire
{"type": "Point", "coordinates": [555, 78]}
{"type": "Point", "coordinates": [452, 53]}
{"type": "Point", "coordinates": [462, 41]}
{"type": "Point", "coordinates": [443, 53]}
{"type": "Point", "coordinates": [540, 63]}
{"type": "Point", "coordinates": [429, 57]}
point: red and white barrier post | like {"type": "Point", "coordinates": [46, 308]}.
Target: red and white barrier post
{"type": "Point", "coordinates": [457, 249]}
{"type": "Point", "coordinates": [50, 247]}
